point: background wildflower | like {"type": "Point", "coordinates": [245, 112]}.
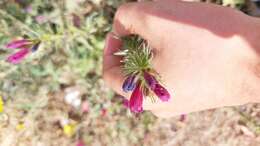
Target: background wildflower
{"type": "Point", "coordinates": [129, 83]}
{"type": "Point", "coordinates": [25, 46]}
{"type": "Point", "coordinates": [41, 19]}
{"type": "Point", "coordinates": [85, 107]}
{"type": "Point", "coordinates": [18, 56]}
{"type": "Point", "coordinates": [20, 126]}
{"type": "Point", "coordinates": [76, 20]}
{"type": "Point", "coordinates": [1, 104]}
{"type": "Point", "coordinates": [69, 129]}
{"type": "Point", "coordinates": [18, 44]}
{"type": "Point", "coordinates": [80, 143]}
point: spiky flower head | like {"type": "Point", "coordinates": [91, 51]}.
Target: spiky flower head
{"type": "Point", "coordinates": [141, 78]}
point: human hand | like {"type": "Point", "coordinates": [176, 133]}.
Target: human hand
{"type": "Point", "coordinates": [204, 53]}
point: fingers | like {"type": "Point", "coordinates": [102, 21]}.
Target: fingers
{"type": "Point", "coordinates": [113, 44]}
{"type": "Point", "coordinates": [128, 20]}
{"type": "Point", "coordinates": [141, 19]}
{"type": "Point", "coordinates": [112, 71]}
{"type": "Point", "coordinates": [150, 20]}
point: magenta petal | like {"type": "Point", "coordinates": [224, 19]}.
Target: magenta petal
{"type": "Point", "coordinates": [150, 80]}
{"type": "Point", "coordinates": [18, 44]}
{"type": "Point", "coordinates": [76, 20]}
{"type": "Point", "coordinates": [136, 100]}
{"type": "Point", "coordinates": [18, 56]}
{"type": "Point", "coordinates": [80, 143]}
{"type": "Point", "coordinates": [161, 92]}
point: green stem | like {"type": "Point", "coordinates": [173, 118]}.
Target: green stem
{"type": "Point", "coordinates": [20, 23]}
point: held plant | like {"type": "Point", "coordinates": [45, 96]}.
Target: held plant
{"type": "Point", "coordinates": [140, 77]}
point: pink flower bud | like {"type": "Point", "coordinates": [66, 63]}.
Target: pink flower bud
{"type": "Point", "coordinates": [18, 56]}
{"type": "Point", "coordinates": [161, 92]}
{"type": "Point", "coordinates": [136, 100]}
{"type": "Point", "coordinates": [85, 107]}
{"type": "Point", "coordinates": [18, 44]}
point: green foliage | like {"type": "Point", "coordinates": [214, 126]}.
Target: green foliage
{"type": "Point", "coordinates": [137, 55]}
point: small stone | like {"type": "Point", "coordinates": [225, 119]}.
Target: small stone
{"type": "Point", "coordinates": [71, 96]}
{"type": "Point", "coordinates": [76, 103]}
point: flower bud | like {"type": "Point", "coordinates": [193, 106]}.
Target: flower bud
{"type": "Point", "coordinates": [161, 92]}
{"type": "Point", "coordinates": [150, 80]}
{"type": "Point", "coordinates": [129, 83]}
{"type": "Point", "coordinates": [136, 100]}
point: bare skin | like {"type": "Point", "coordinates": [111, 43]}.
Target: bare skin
{"type": "Point", "coordinates": [207, 55]}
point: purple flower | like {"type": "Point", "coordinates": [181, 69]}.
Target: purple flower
{"type": "Point", "coordinates": [36, 46]}
{"type": "Point", "coordinates": [76, 20]}
{"type": "Point", "coordinates": [150, 80]}
{"type": "Point", "coordinates": [25, 46]}
{"type": "Point", "coordinates": [28, 9]}
{"type": "Point", "coordinates": [161, 92]}
{"type": "Point", "coordinates": [129, 83]}
{"type": "Point", "coordinates": [136, 100]}
{"type": "Point", "coordinates": [40, 19]}
{"type": "Point", "coordinates": [18, 44]}
{"type": "Point", "coordinates": [80, 143]}
{"type": "Point", "coordinates": [183, 117]}
{"type": "Point", "coordinates": [18, 56]}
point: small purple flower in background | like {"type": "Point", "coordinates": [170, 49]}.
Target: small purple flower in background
{"type": "Point", "coordinates": [103, 112]}
{"type": "Point", "coordinates": [76, 20]}
{"type": "Point", "coordinates": [25, 47]}
{"type": "Point", "coordinates": [80, 143]}
{"type": "Point", "coordinates": [18, 56]}
{"type": "Point", "coordinates": [85, 107]}
{"type": "Point", "coordinates": [183, 117]}
{"type": "Point", "coordinates": [129, 83]}
{"type": "Point", "coordinates": [28, 9]}
{"type": "Point", "coordinates": [136, 100]}
{"type": "Point", "coordinates": [18, 44]}
{"type": "Point", "coordinates": [35, 47]}
{"type": "Point", "coordinates": [40, 19]}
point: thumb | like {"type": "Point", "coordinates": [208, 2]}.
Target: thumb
{"type": "Point", "coordinates": [112, 71]}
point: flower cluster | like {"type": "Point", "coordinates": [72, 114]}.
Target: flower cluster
{"type": "Point", "coordinates": [141, 78]}
{"type": "Point", "coordinates": [25, 46]}
{"type": "Point", "coordinates": [144, 84]}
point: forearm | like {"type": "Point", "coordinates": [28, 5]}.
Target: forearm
{"type": "Point", "coordinates": [253, 41]}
